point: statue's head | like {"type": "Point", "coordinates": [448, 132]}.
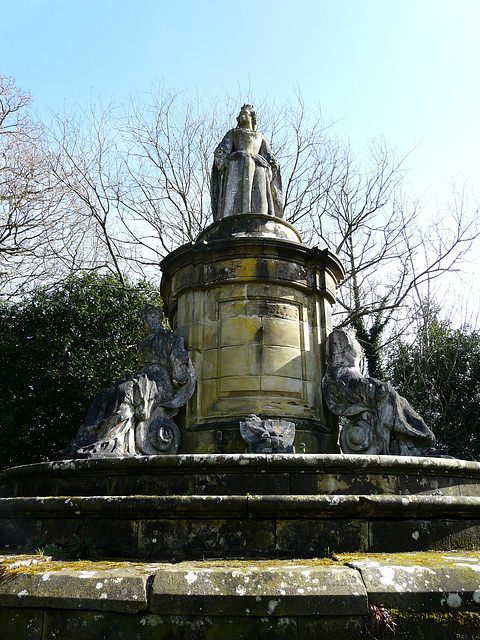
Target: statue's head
{"type": "Point", "coordinates": [343, 349]}
{"type": "Point", "coordinates": [152, 318]}
{"type": "Point", "coordinates": [247, 118]}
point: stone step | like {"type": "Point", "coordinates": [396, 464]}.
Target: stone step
{"type": "Point", "coordinates": [427, 594]}
{"type": "Point", "coordinates": [253, 474]}
{"type": "Point", "coordinates": [179, 527]}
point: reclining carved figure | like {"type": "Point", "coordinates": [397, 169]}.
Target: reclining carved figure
{"type": "Point", "coordinates": [134, 417]}
{"type": "Point", "coordinates": [380, 421]}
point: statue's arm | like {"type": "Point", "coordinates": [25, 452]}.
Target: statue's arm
{"type": "Point", "coordinates": [276, 180]}
{"type": "Point", "coordinates": [223, 150]}
{"type": "Point", "coordinates": [267, 153]}
{"type": "Point", "coordinates": [348, 395]}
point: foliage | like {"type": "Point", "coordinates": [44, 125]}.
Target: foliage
{"type": "Point", "coordinates": [440, 375]}
{"type": "Point", "coordinates": [59, 348]}
{"type": "Point", "coordinates": [378, 617]}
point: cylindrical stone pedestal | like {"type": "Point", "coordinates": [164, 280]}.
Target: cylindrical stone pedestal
{"type": "Point", "coordinates": [253, 305]}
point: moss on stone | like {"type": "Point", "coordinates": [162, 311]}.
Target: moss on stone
{"type": "Point", "coordinates": [34, 564]}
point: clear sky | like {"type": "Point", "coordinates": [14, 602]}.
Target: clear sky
{"type": "Point", "coordinates": [407, 69]}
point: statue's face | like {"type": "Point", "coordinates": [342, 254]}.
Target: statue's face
{"type": "Point", "coordinates": [345, 350]}
{"type": "Point", "coordinates": [245, 119]}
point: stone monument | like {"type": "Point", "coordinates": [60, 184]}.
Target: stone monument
{"type": "Point", "coordinates": [253, 305]}
{"type": "Point", "coordinates": [245, 174]}
{"type": "Point", "coordinates": [135, 416]}
{"type": "Point", "coordinates": [229, 544]}
{"type": "Point", "coordinates": [380, 421]}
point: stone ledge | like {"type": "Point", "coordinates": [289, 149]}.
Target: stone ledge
{"type": "Point", "coordinates": [243, 463]}
{"type": "Point", "coordinates": [422, 582]}
{"type": "Point", "coordinates": [261, 506]}
{"type": "Point", "coordinates": [98, 586]}
{"type": "Point", "coordinates": [264, 588]}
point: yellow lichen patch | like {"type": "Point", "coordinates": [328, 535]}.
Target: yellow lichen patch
{"type": "Point", "coordinates": [422, 558]}
{"type": "Point", "coordinates": [10, 566]}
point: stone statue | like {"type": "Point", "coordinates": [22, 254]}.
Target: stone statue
{"type": "Point", "coordinates": [380, 421]}
{"type": "Point", "coordinates": [268, 436]}
{"type": "Point", "coordinates": [134, 417]}
{"type": "Point", "coordinates": [245, 175]}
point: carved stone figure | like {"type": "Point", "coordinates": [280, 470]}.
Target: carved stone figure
{"type": "Point", "coordinates": [268, 436]}
{"type": "Point", "coordinates": [380, 421]}
{"type": "Point", "coordinates": [245, 175]}
{"type": "Point", "coordinates": [134, 417]}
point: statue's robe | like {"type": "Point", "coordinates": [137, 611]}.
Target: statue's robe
{"type": "Point", "coordinates": [245, 176]}
{"type": "Point", "coordinates": [398, 428]}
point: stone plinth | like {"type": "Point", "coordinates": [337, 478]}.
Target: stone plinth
{"type": "Point", "coordinates": [252, 506]}
{"type": "Point", "coordinates": [253, 305]}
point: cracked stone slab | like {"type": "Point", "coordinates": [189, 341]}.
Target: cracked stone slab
{"type": "Point", "coordinates": [263, 588]}
{"type": "Point", "coordinates": [98, 586]}
{"type": "Point", "coordinates": [447, 581]}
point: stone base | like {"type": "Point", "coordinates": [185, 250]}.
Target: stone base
{"type": "Point", "coordinates": [252, 506]}
{"type": "Point", "coordinates": [424, 595]}
{"type": "Point", "coordinates": [253, 306]}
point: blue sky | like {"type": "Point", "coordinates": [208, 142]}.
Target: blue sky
{"type": "Point", "coordinates": [404, 69]}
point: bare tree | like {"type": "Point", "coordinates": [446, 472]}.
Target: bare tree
{"type": "Point", "coordinates": [36, 227]}
{"type": "Point", "coordinates": [132, 182]}
{"type": "Point", "coordinates": [390, 250]}
{"type": "Point", "coordinates": [22, 181]}
{"type": "Point", "coordinates": [88, 170]}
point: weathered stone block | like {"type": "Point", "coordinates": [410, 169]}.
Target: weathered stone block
{"type": "Point", "coordinates": [268, 588]}
{"type": "Point", "coordinates": [237, 384]}
{"type": "Point", "coordinates": [62, 531]}
{"type": "Point", "coordinates": [228, 627]}
{"type": "Point", "coordinates": [97, 625]}
{"type": "Point", "coordinates": [201, 442]}
{"type": "Point", "coordinates": [115, 589]}
{"type": "Point", "coordinates": [325, 628]}
{"type": "Point", "coordinates": [195, 334]}
{"type": "Point", "coordinates": [237, 361]}
{"type": "Point", "coordinates": [242, 484]}
{"type": "Point", "coordinates": [279, 309]}
{"type": "Point", "coordinates": [207, 367]}
{"type": "Point", "coordinates": [20, 624]}
{"type": "Point", "coordinates": [179, 539]}
{"type": "Point", "coordinates": [466, 486]}
{"type": "Point", "coordinates": [320, 538]}
{"type": "Point", "coordinates": [427, 484]}
{"type": "Point", "coordinates": [234, 309]}
{"type": "Point", "coordinates": [306, 336]}
{"type": "Point", "coordinates": [343, 484]}
{"type": "Point", "coordinates": [19, 531]}
{"type": "Point", "coordinates": [459, 625]}
{"type": "Point", "coordinates": [315, 442]}
{"type": "Point", "coordinates": [283, 385]}
{"type": "Point", "coordinates": [393, 536]}
{"type": "Point", "coordinates": [239, 331]}
{"type": "Point", "coordinates": [235, 402]}
{"type": "Point", "coordinates": [465, 534]}
{"type": "Point", "coordinates": [122, 537]}
{"type": "Point", "coordinates": [282, 361]}
{"type": "Point", "coordinates": [441, 582]}
{"type": "Point", "coordinates": [282, 332]}
{"type": "Point", "coordinates": [211, 334]}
